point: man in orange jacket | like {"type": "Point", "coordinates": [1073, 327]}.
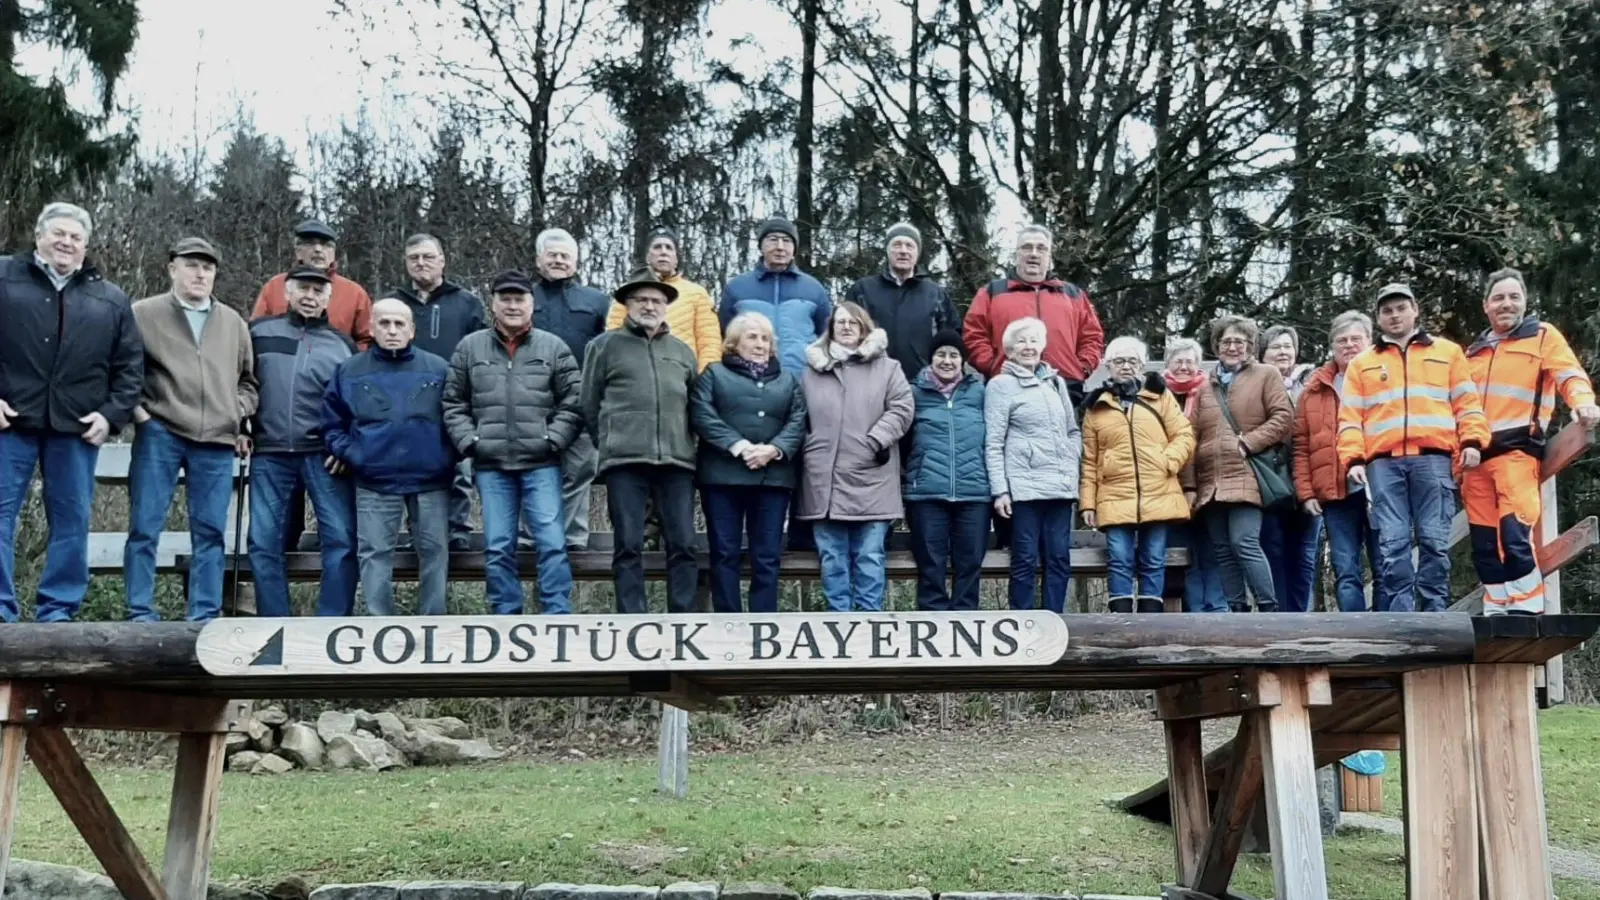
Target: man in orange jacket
{"type": "Point", "coordinates": [1409, 407]}
{"type": "Point", "coordinates": [1519, 364]}
{"type": "Point", "coordinates": [350, 310]}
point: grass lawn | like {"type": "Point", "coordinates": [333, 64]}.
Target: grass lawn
{"type": "Point", "coordinates": [1011, 809]}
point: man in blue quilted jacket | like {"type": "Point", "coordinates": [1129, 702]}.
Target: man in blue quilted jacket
{"type": "Point", "coordinates": [383, 416]}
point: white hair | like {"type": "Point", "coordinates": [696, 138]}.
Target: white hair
{"type": "Point", "coordinates": [1346, 321]}
{"type": "Point", "coordinates": [1128, 346]}
{"type": "Point", "coordinates": [1023, 326]}
{"type": "Point", "coordinates": [64, 211]}
{"type": "Point", "coordinates": [1178, 346]}
{"type": "Point", "coordinates": [551, 237]}
{"type": "Point", "coordinates": [1035, 229]}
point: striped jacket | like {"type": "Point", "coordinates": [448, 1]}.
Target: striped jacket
{"type": "Point", "coordinates": [1518, 376]}
{"type": "Point", "coordinates": [1411, 399]}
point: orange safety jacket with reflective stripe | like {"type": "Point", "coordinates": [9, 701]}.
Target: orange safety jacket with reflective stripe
{"type": "Point", "coordinates": [1517, 376]}
{"type": "Point", "coordinates": [1409, 400]}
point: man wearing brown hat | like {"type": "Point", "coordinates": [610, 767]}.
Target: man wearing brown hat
{"type": "Point", "coordinates": [199, 388]}
{"type": "Point", "coordinates": [636, 384]}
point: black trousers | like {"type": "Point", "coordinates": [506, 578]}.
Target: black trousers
{"type": "Point", "coordinates": [628, 491]}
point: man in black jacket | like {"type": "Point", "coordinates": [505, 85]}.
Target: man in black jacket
{"type": "Point", "coordinates": [444, 313]}
{"type": "Point", "coordinates": [62, 393]}
{"type": "Point", "coordinates": [905, 302]}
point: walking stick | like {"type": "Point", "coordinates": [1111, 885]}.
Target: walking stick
{"type": "Point", "coordinates": [239, 479]}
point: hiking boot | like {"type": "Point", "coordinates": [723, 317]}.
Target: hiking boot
{"type": "Point", "coordinates": [1269, 606]}
{"type": "Point", "coordinates": [1152, 605]}
{"type": "Point", "coordinates": [1120, 605]}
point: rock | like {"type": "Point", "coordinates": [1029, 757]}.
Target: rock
{"type": "Point", "coordinates": [235, 742]}
{"type": "Point", "coordinates": [347, 751]}
{"type": "Point", "coordinates": [363, 733]}
{"type": "Point", "coordinates": [757, 890]}
{"type": "Point", "coordinates": [273, 717]}
{"type": "Point", "coordinates": [272, 764]}
{"type": "Point", "coordinates": [43, 881]}
{"type": "Point", "coordinates": [833, 893]}
{"type": "Point", "coordinates": [292, 887]}
{"type": "Point", "coordinates": [157, 762]}
{"type": "Point", "coordinates": [690, 890]}
{"type": "Point", "coordinates": [243, 761]}
{"type": "Point", "coordinates": [433, 750]}
{"type": "Point", "coordinates": [301, 745]}
{"type": "Point", "coordinates": [1116, 897]}
{"type": "Point", "coordinates": [366, 721]}
{"type": "Point", "coordinates": [999, 895]}
{"type": "Point", "coordinates": [333, 723]}
{"type": "Point", "coordinates": [386, 890]}
{"type": "Point", "coordinates": [558, 891]}
{"type": "Point", "coordinates": [445, 726]}
{"type": "Point", "coordinates": [393, 730]}
{"type": "Point", "coordinates": [262, 736]}
{"type": "Point", "coordinates": [462, 890]}
{"type": "Point", "coordinates": [229, 892]}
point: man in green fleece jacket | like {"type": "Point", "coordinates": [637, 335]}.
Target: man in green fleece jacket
{"type": "Point", "coordinates": [636, 384]}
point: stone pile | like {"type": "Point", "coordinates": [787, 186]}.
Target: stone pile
{"type": "Point", "coordinates": [271, 744]}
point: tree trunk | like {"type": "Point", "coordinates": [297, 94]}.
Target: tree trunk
{"type": "Point", "coordinates": [805, 130]}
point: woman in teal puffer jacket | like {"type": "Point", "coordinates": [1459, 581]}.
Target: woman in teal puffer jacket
{"type": "Point", "coordinates": [947, 478]}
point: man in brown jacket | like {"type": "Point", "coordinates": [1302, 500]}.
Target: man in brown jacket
{"type": "Point", "coordinates": [199, 386]}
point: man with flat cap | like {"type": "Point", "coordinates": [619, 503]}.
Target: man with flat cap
{"type": "Point", "coordinates": [511, 406]}
{"type": "Point", "coordinates": [297, 355]}
{"type": "Point", "coordinates": [199, 390]}
{"type": "Point", "coordinates": [636, 385]}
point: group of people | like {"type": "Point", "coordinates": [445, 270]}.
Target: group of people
{"type": "Point", "coordinates": [786, 411]}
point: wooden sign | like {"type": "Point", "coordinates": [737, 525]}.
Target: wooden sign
{"type": "Point", "coordinates": [578, 644]}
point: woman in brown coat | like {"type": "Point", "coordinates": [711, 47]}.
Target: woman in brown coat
{"type": "Point", "coordinates": [859, 405]}
{"type": "Point", "coordinates": [1227, 496]}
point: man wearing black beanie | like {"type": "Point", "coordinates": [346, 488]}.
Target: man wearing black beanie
{"type": "Point", "coordinates": [907, 304]}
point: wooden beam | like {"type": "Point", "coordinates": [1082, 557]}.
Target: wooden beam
{"type": "Point", "coordinates": [1354, 742]}
{"type": "Point", "coordinates": [111, 709]}
{"type": "Point", "coordinates": [11, 743]}
{"type": "Point", "coordinates": [1230, 818]}
{"type": "Point", "coordinates": [1549, 528]}
{"type": "Point", "coordinates": [69, 779]}
{"type": "Point", "coordinates": [1439, 771]}
{"type": "Point", "coordinates": [1219, 695]}
{"type": "Point", "coordinates": [674, 690]}
{"type": "Point", "coordinates": [1559, 550]}
{"type": "Point", "coordinates": [1513, 834]}
{"type": "Point", "coordinates": [1564, 449]}
{"type": "Point", "coordinates": [192, 819]}
{"type": "Point", "coordinates": [673, 756]}
{"type": "Point", "coordinates": [1288, 763]}
{"type": "Point", "coordinates": [1191, 820]}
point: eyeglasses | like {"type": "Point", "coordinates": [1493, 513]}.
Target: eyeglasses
{"type": "Point", "coordinates": [1125, 362]}
{"type": "Point", "coordinates": [422, 257]}
{"type": "Point", "coordinates": [1233, 342]}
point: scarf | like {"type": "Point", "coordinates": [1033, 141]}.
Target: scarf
{"type": "Point", "coordinates": [1185, 389]}
{"type": "Point", "coordinates": [1125, 390]}
{"type": "Point", "coordinates": [755, 370]}
{"type": "Point", "coordinates": [841, 353]}
{"type": "Point", "coordinates": [945, 388]}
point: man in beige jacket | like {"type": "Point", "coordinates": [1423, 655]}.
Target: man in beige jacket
{"type": "Point", "coordinates": [199, 387]}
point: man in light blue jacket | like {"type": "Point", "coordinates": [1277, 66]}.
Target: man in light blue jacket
{"type": "Point", "coordinates": [796, 304]}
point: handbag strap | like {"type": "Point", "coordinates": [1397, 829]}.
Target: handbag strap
{"type": "Point", "coordinates": [1222, 406]}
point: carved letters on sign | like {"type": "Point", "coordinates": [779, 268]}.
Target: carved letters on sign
{"type": "Point", "coordinates": [497, 644]}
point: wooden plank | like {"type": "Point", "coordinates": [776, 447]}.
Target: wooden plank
{"type": "Point", "coordinates": [11, 743]}
{"type": "Point", "coordinates": [674, 689]}
{"type": "Point", "coordinates": [1439, 770]}
{"type": "Point", "coordinates": [1564, 449]}
{"type": "Point", "coordinates": [1191, 820]}
{"type": "Point", "coordinates": [1559, 550]}
{"type": "Point", "coordinates": [1354, 742]}
{"type": "Point", "coordinates": [673, 777]}
{"type": "Point", "coordinates": [1215, 696]}
{"type": "Point", "coordinates": [192, 818]}
{"type": "Point", "coordinates": [69, 705]}
{"type": "Point", "coordinates": [80, 797]}
{"type": "Point", "coordinates": [115, 459]}
{"type": "Point", "coordinates": [1513, 834]}
{"type": "Point", "coordinates": [1230, 817]}
{"type": "Point", "coordinates": [1288, 763]}
{"type": "Point", "coordinates": [1319, 687]}
{"type": "Point", "coordinates": [1549, 528]}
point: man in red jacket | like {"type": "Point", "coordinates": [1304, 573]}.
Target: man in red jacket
{"type": "Point", "coordinates": [1075, 341]}
{"type": "Point", "coordinates": [350, 310]}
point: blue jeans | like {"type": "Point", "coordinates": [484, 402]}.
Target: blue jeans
{"type": "Point", "coordinates": [731, 514]}
{"type": "Point", "coordinates": [1291, 539]}
{"type": "Point", "coordinates": [1419, 492]}
{"type": "Point", "coordinates": [158, 455]}
{"type": "Point", "coordinates": [533, 495]}
{"type": "Point", "coordinates": [854, 572]}
{"type": "Point", "coordinates": [1235, 530]}
{"type": "Point", "coordinates": [1349, 532]}
{"type": "Point", "coordinates": [1202, 581]}
{"type": "Point", "coordinates": [66, 465]}
{"type": "Point", "coordinates": [1041, 536]}
{"type": "Point", "coordinates": [947, 536]}
{"type": "Point", "coordinates": [274, 477]}
{"type": "Point", "coordinates": [1140, 549]}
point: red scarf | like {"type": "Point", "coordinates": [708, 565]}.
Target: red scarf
{"type": "Point", "coordinates": [1187, 388]}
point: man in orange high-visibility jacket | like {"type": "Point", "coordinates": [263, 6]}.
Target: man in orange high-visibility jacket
{"type": "Point", "coordinates": [1519, 365]}
{"type": "Point", "coordinates": [1409, 407]}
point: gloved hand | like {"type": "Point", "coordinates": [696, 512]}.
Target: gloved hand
{"type": "Point", "coordinates": [882, 456]}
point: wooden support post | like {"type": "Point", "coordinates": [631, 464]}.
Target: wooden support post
{"type": "Point", "coordinates": [192, 820]}
{"type": "Point", "coordinates": [1186, 773]}
{"type": "Point", "coordinates": [75, 788]}
{"type": "Point", "coordinates": [1231, 817]}
{"type": "Point", "coordinates": [1439, 772]}
{"type": "Point", "coordinates": [1549, 530]}
{"type": "Point", "coordinates": [1299, 871]}
{"type": "Point", "coordinates": [11, 740]}
{"type": "Point", "coordinates": [1513, 834]}
{"type": "Point", "coordinates": [674, 752]}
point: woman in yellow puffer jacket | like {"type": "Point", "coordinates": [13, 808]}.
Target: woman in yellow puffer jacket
{"type": "Point", "coordinates": [1136, 444]}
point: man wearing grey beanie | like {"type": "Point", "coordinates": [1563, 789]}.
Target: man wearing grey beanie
{"type": "Point", "coordinates": [797, 305]}
{"type": "Point", "coordinates": [905, 302]}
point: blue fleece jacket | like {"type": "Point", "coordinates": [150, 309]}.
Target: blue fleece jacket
{"type": "Point", "coordinates": [383, 416]}
{"type": "Point", "coordinates": [797, 305]}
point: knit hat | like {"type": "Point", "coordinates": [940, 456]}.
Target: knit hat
{"type": "Point", "coordinates": [777, 225]}
{"type": "Point", "coordinates": [904, 229]}
{"type": "Point", "coordinates": [949, 337]}
{"type": "Point", "coordinates": [659, 232]}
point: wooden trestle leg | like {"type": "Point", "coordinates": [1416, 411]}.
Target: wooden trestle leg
{"type": "Point", "coordinates": [1513, 834]}
{"type": "Point", "coordinates": [11, 741]}
{"type": "Point", "coordinates": [1299, 871]}
{"type": "Point", "coordinates": [192, 820]}
{"type": "Point", "coordinates": [1439, 772]}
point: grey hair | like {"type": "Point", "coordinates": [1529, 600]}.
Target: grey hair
{"type": "Point", "coordinates": [1020, 327]}
{"type": "Point", "coordinates": [417, 240]}
{"type": "Point", "coordinates": [1500, 275]}
{"type": "Point", "coordinates": [1035, 228]}
{"type": "Point", "coordinates": [1176, 346]}
{"type": "Point", "coordinates": [1347, 320]}
{"type": "Point", "coordinates": [64, 211]}
{"type": "Point", "coordinates": [746, 322]}
{"type": "Point", "coordinates": [1128, 346]}
{"type": "Point", "coordinates": [1278, 331]}
{"type": "Point", "coordinates": [553, 236]}
{"type": "Point", "coordinates": [1224, 324]}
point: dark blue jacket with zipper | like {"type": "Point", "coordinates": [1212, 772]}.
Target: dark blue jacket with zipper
{"type": "Point", "coordinates": [449, 314]}
{"type": "Point", "coordinates": [383, 416]}
{"type": "Point", "coordinates": [947, 449]}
